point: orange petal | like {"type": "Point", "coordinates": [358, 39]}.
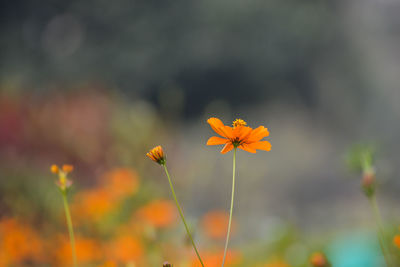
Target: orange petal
{"type": "Point", "coordinates": [216, 124]}
{"type": "Point", "coordinates": [258, 134]}
{"type": "Point", "coordinates": [228, 132]}
{"type": "Point", "coordinates": [247, 148]}
{"type": "Point", "coordinates": [228, 147]}
{"type": "Point", "coordinates": [215, 140]}
{"type": "Point", "coordinates": [261, 145]}
{"type": "Point", "coordinates": [242, 132]}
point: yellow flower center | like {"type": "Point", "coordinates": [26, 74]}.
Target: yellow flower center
{"type": "Point", "coordinates": [238, 122]}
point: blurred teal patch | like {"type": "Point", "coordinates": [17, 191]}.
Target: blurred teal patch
{"type": "Point", "coordinates": [359, 249]}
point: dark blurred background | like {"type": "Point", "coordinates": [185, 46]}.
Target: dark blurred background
{"type": "Point", "coordinates": [242, 53]}
{"type": "Point", "coordinates": [98, 83]}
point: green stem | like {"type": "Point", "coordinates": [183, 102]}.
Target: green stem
{"type": "Point", "coordinates": [181, 214]}
{"type": "Point", "coordinates": [231, 209]}
{"type": "Point", "coordinates": [70, 228]}
{"type": "Point", "coordinates": [381, 233]}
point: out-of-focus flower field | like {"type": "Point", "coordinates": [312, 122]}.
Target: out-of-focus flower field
{"type": "Point", "coordinates": [89, 88]}
{"type": "Point", "coordinates": [121, 214]}
{"type": "Point", "coordinates": [121, 208]}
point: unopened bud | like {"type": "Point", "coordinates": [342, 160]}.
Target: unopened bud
{"type": "Point", "coordinates": [157, 155]}
{"type": "Point", "coordinates": [318, 259]}
{"type": "Point", "coordinates": [167, 264]}
{"type": "Point", "coordinates": [63, 182]}
{"type": "Point", "coordinates": [54, 168]}
{"type": "Point", "coordinates": [67, 168]}
{"type": "Point", "coordinates": [368, 183]}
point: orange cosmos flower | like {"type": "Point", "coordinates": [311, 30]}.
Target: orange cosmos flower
{"type": "Point", "coordinates": [125, 249]}
{"type": "Point", "coordinates": [88, 250]}
{"type": "Point", "coordinates": [158, 213]}
{"type": "Point", "coordinates": [121, 182]}
{"type": "Point", "coordinates": [157, 155]}
{"type": "Point", "coordinates": [19, 243]}
{"type": "Point", "coordinates": [215, 224]}
{"type": "Point", "coordinates": [92, 204]}
{"type": "Point", "coordinates": [239, 135]}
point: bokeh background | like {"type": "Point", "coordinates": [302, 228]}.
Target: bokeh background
{"type": "Point", "coordinates": [97, 84]}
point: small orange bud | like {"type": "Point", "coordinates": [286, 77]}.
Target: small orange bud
{"type": "Point", "coordinates": [157, 155]}
{"type": "Point", "coordinates": [318, 259]}
{"type": "Point", "coordinates": [67, 168]}
{"type": "Point", "coordinates": [63, 182]}
{"type": "Point", "coordinates": [54, 169]}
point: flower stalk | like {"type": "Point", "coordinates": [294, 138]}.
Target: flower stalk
{"type": "Point", "coordinates": [157, 155]}
{"type": "Point", "coordinates": [70, 227]}
{"type": "Point", "coordinates": [368, 185]}
{"type": "Point", "coordinates": [381, 233]}
{"type": "Point", "coordinates": [181, 213]}
{"type": "Point", "coordinates": [231, 208]}
{"type": "Point", "coordinates": [63, 184]}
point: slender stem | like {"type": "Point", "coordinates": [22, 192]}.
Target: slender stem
{"type": "Point", "coordinates": [381, 233]}
{"type": "Point", "coordinates": [70, 228]}
{"type": "Point", "coordinates": [181, 214]}
{"type": "Point", "coordinates": [231, 209]}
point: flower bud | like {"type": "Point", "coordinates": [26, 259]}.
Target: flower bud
{"type": "Point", "coordinates": [54, 169]}
{"type": "Point", "coordinates": [157, 155]}
{"type": "Point", "coordinates": [368, 183]}
{"type": "Point", "coordinates": [63, 182]}
{"type": "Point", "coordinates": [67, 168]}
{"type": "Point", "coordinates": [318, 259]}
{"type": "Point", "coordinates": [167, 264]}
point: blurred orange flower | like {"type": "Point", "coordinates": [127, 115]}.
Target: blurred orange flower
{"type": "Point", "coordinates": [215, 224]}
{"type": "Point", "coordinates": [88, 250]}
{"type": "Point", "coordinates": [92, 204]}
{"type": "Point", "coordinates": [116, 185]}
{"type": "Point", "coordinates": [18, 243]}
{"type": "Point", "coordinates": [214, 259]}
{"type": "Point", "coordinates": [121, 182]}
{"type": "Point", "coordinates": [396, 241]}
{"type": "Point", "coordinates": [158, 213]}
{"type": "Point", "coordinates": [239, 135]}
{"type": "Point", "coordinates": [125, 249]}
{"type": "Point", "coordinates": [108, 264]}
